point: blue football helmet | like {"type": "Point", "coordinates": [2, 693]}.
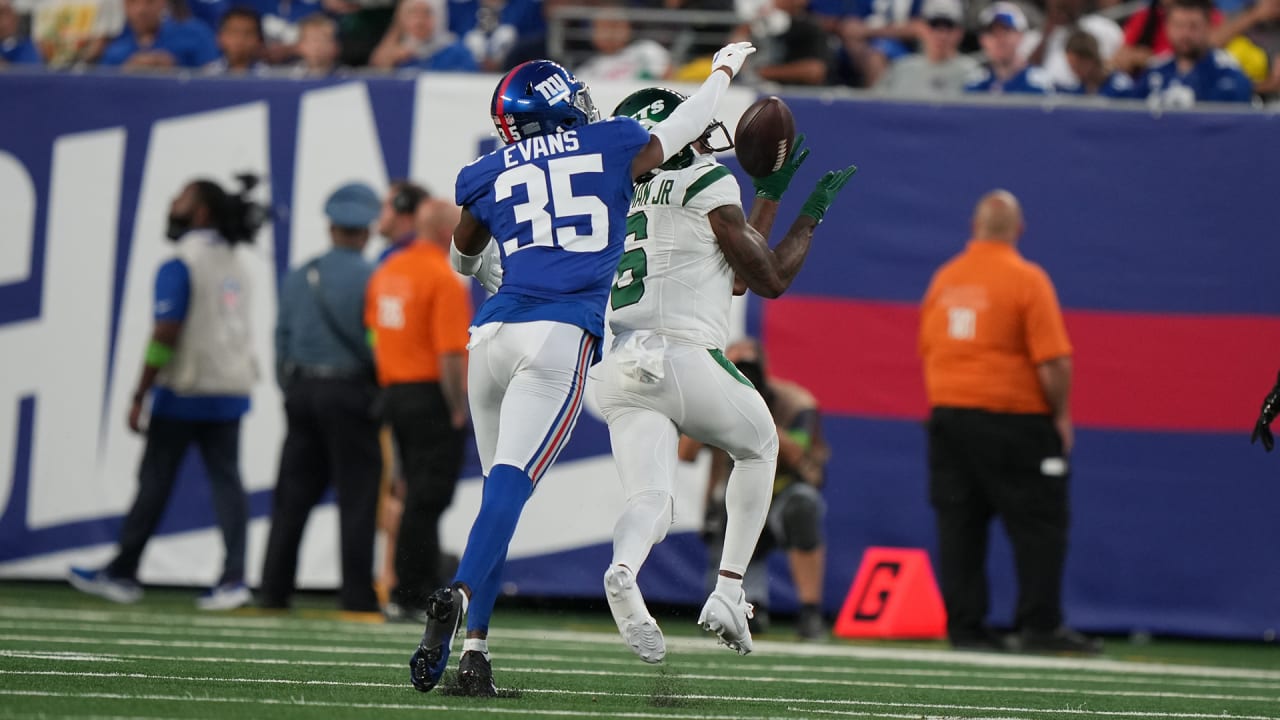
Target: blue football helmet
{"type": "Point", "coordinates": [540, 98]}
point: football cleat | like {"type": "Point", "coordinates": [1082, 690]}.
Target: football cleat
{"type": "Point", "coordinates": [636, 625]}
{"type": "Point", "coordinates": [445, 609]}
{"type": "Point", "coordinates": [98, 582]}
{"type": "Point", "coordinates": [728, 619]}
{"type": "Point", "coordinates": [475, 675]}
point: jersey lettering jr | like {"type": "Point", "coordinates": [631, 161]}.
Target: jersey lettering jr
{"type": "Point", "coordinates": [672, 278]}
{"type": "Point", "coordinates": [557, 207]}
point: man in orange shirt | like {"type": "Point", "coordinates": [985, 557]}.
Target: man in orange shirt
{"type": "Point", "coordinates": [997, 370]}
{"type": "Point", "coordinates": [418, 312]}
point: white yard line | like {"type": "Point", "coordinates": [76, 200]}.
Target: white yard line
{"type": "Point", "coordinates": [1272, 699]}
{"type": "Point", "coordinates": [681, 667]}
{"type": "Point", "coordinates": [678, 644]}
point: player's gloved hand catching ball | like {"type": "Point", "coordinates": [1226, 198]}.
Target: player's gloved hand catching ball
{"type": "Point", "coordinates": [731, 57]}
{"type": "Point", "coordinates": [772, 186]}
{"type": "Point", "coordinates": [1262, 428]}
{"type": "Point", "coordinates": [825, 193]}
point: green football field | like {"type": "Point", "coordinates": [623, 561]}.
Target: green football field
{"type": "Point", "coordinates": [63, 654]}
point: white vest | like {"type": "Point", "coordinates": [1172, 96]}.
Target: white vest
{"type": "Point", "coordinates": [214, 355]}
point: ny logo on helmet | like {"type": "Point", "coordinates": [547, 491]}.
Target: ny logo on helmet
{"type": "Point", "coordinates": [554, 89]}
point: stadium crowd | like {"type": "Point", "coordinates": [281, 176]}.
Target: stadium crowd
{"type": "Point", "coordinates": [1171, 52]}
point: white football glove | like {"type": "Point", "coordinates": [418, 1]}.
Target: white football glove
{"type": "Point", "coordinates": [490, 271]}
{"type": "Point", "coordinates": [731, 57]}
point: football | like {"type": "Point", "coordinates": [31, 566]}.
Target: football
{"type": "Point", "coordinates": [764, 137]}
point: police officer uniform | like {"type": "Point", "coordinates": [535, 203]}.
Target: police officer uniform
{"type": "Point", "coordinates": [326, 371]}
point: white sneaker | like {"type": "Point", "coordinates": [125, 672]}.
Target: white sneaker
{"type": "Point", "coordinates": [227, 596]}
{"type": "Point", "coordinates": [728, 619]}
{"type": "Point", "coordinates": [636, 625]}
{"type": "Point", "coordinates": [98, 582]}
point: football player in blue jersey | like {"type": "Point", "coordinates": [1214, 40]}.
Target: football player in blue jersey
{"type": "Point", "coordinates": [543, 223]}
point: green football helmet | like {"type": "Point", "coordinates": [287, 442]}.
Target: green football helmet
{"type": "Point", "coordinates": [651, 106]}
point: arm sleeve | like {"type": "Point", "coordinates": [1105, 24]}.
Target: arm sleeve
{"type": "Point", "coordinates": [173, 291]}
{"type": "Point", "coordinates": [450, 316]}
{"type": "Point", "coordinates": [691, 119]}
{"type": "Point", "coordinates": [1046, 331]}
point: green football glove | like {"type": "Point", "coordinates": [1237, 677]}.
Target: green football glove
{"type": "Point", "coordinates": [773, 185]}
{"type": "Point", "coordinates": [825, 193]}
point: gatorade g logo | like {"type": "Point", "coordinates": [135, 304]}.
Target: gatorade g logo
{"type": "Point", "coordinates": [875, 594]}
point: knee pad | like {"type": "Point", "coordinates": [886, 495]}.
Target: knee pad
{"type": "Point", "coordinates": [802, 521]}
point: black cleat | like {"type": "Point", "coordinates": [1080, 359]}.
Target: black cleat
{"type": "Point", "coordinates": [475, 675]}
{"type": "Point", "coordinates": [444, 615]}
{"type": "Point", "coordinates": [1060, 641]}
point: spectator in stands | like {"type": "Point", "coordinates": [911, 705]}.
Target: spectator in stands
{"type": "Point", "coordinates": [1047, 47]}
{"type": "Point", "coordinates": [997, 371]}
{"type": "Point", "coordinates": [151, 39]}
{"type": "Point", "coordinates": [800, 54]}
{"type": "Point", "coordinates": [1145, 37]}
{"type": "Point", "coordinates": [318, 47]}
{"type": "Point", "coordinates": [198, 371]}
{"type": "Point", "coordinates": [209, 12]}
{"type": "Point", "coordinates": [418, 312]}
{"type": "Point", "coordinates": [1093, 75]}
{"type": "Point", "coordinates": [416, 40]}
{"type": "Point", "coordinates": [491, 28]}
{"type": "Point", "coordinates": [618, 56]}
{"type": "Point", "coordinates": [939, 69]}
{"type": "Point", "coordinates": [876, 32]}
{"type": "Point", "coordinates": [280, 26]}
{"type": "Point", "coordinates": [325, 368]}
{"type": "Point", "coordinates": [14, 49]}
{"type": "Point", "coordinates": [1195, 71]}
{"type": "Point", "coordinates": [1003, 26]}
{"type": "Point", "coordinates": [1252, 37]}
{"type": "Point", "coordinates": [398, 220]}
{"type": "Point", "coordinates": [796, 512]}
{"type": "Point", "coordinates": [240, 40]}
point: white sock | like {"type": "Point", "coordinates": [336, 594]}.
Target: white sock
{"type": "Point", "coordinates": [746, 501]}
{"type": "Point", "coordinates": [480, 645]}
{"type": "Point", "coordinates": [729, 587]}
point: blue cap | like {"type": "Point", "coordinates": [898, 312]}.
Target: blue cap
{"type": "Point", "coordinates": [1003, 13]}
{"type": "Point", "coordinates": [354, 205]}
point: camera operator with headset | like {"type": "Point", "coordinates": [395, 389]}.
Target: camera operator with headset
{"type": "Point", "coordinates": [198, 370]}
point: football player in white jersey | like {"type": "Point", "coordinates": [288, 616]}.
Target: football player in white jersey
{"type": "Point", "coordinates": [688, 244]}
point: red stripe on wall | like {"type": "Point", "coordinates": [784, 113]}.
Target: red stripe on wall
{"type": "Point", "coordinates": [1133, 371]}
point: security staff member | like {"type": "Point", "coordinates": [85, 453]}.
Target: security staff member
{"type": "Point", "coordinates": [997, 369]}
{"type": "Point", "coordinates": [397, 221]}
{"type": "Point", "coordinates": [418, 312]}
{"type": "Point", "coordinates": [326, 370]}
{"type": "Point", "coordinates": [198, 371]}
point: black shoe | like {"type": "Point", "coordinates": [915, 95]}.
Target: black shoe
{"type": "Point", "coordinates": [809, 623]}
{"type": "Point", "coordinates": [395, 612]}
{"type": "Point", "coordinates": [758, 622]}
{"type": "Point", "coordinates": [444, 614]}
{"type": "Point", "coordinates": [475, 675]}
{"type": "Point", "coordinates": [1063, 640]}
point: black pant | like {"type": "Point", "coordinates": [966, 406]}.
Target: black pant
{"type": "Point", "coordinates": [430, 457]}
{"type": "Point", "coordinates": [332, 440]}
{"type": "Point", "coordinates": [167, 443]}
{"type": "Point", "coordinates": [984, 464]}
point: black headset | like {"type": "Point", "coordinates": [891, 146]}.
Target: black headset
{"type": "Point", "coordinates": [408, 196]}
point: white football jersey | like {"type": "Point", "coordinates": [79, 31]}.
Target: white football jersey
{"type": "Point", "coordinates": [672, 278]}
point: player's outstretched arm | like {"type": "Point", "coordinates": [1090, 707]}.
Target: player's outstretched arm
{"type": "Point", "coordinates": [690, 120]}
{"type": "Point", "coordinates": [768, 272]}
{"type": "Point", "coordinates": [474, 252]}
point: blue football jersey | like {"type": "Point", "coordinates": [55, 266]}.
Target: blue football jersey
{"type": "Point", "coordinates": [1117, 85]}
{"type": "Point", "coordinates": [1027, 81]}
{"type": "Point", "coordinates": [1216, 78]}
{"type": "Point", "coordinates": [557, 207]}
